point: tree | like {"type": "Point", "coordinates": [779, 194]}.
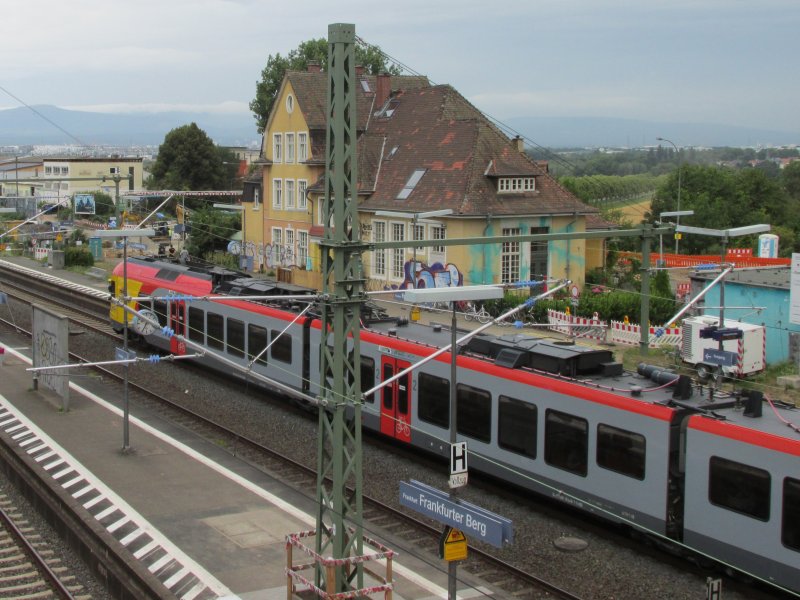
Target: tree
{"type": "Point", "coordinates": [212, 230]}
{"type": "Point", "coordinates": [189, 160]}
{"type": "Point", "coordinates": [315, 50]}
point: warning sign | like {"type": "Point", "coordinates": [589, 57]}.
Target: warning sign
{"type": "Point", "coordinates": [452, 545]}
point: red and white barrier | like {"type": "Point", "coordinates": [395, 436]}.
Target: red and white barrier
{"type": "Point", "coordinates": [617, 332]}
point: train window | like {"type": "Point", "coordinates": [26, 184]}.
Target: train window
{"type": "Point", "coordinates": [167, 274]}
{"type": "Point", "coordinates": [160, 308]}
{"type": "Point", "coordinates": [790, 529]}
{"type": "Point", "coordinates": [215, 330]}
{"type": "Point", "coordinates": [739, 487]}
{"type": "Point", "coordinates": [281, 348]}
{"type": "Point", "coordinates": [197, 324]}
{"type": "Point", "coordinates": [434, 400]}
{"type": "Point", "coordinates": [387, 390]}
{"type": "Point", "coordinates": [621, 451]}
{"type": "Point", "coordinates": [256, 342]}
{"type": "Point", "coordinates": [566, 442]}
{"type": "Point", "coordinates": [368, 377]}
{"type": "Point", "coordinates": [474, 412]}
{"type": "Point", "coordinates": [516, 426]}
{"type": "Point", "coordinates": [235, 338]}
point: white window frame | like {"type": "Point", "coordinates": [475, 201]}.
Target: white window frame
{"type": "Point", "coordinates": [288, 194]}
{"type": "Point", "coordinates": [289, 148]}
{"type": "Point", "coordinates": [302, 248]}
{"type": "Point", "coordinates": [289, 243]}
{"type": "Point", "coordinates": [277, 193]}
{"type": "Point", "coordinates": [516, 184]}
{"type": "Point", "coordinates": [302, 147]}
{"type": "Point", "coordinates": [379, 256]}
{"type": "Point", "coordinates": [510, 257]}
{"type": "Point", "coordinates": [256, 198]}
{"type": "Point", "coordinates": [438, 253]}
{"type": "Point", "coordinates": [398, 255]}
{"type": "Point", "coordinates": [302, 199]}
{"type": "Point", "coordinates": [277, 147]}
{"type": "Point", "coordinates": [289, 104]}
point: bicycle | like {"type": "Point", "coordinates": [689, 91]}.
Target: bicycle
{"type": "Point", "coordinates": [471, 311]}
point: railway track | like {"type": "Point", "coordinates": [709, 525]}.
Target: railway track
{"type": "Point", "coordinates": [28, 568]}
{"type": "Point", "coordinates": [378, 516]}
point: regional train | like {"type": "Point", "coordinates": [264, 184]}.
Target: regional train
{"type": "Point", "coordinates": [714, 473]}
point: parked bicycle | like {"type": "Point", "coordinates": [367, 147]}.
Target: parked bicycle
{"type": "Point", "coordinates": [478, 313]}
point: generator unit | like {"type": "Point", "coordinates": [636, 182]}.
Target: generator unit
{"type": "Point", "coordinates": [743, 346]}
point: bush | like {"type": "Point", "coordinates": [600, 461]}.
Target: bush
{"type": "Point", "coordinates": [76, 256]}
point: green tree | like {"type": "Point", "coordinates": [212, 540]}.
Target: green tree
{"type": "Point", "coordinates": [790, 179]}
{"type": "Point", "coordinates": [189, 160]}
{"type": "Point", "coordinates": [212, 230]}
{"type": "Point", "coordinates": [315, 50]}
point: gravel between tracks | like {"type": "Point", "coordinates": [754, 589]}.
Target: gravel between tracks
{"type": "Point", "coordinates": [610, 567]}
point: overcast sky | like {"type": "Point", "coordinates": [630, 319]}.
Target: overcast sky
{"type": "Point", "coordinates": [722, 61]}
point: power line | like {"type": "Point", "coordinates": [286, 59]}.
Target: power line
{"type": "Point", "coordinates": [49, 120]}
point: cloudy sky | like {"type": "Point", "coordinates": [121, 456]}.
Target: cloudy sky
{"type": "Point", "coordinates": [722, 61]}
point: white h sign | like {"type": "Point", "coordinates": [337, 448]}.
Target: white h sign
{"type": "Point", "coordinates": [458, 464]}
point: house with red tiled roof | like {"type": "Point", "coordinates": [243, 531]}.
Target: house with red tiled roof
{"type": "Point", "coordinates": [421, 148]}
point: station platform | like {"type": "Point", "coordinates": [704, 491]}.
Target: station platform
{"type": "Point", "coordinates": [205, 523]}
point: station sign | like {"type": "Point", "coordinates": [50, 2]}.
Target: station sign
{"type": "Point", "coordinates": [723, 358]}
{"type": "Point", "coordinates": [472, 520]}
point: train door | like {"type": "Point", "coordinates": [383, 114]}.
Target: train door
{"type": "Point", "coordinates": [396, 400]}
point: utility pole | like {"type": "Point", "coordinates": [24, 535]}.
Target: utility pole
{"type": "Point", "coordinates": [339, 511]}
{"type": "Point", "coordinates": [644, 312]}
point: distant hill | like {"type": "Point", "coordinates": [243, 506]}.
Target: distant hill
{"type": "Point", "coordinates": [22, 126]}
{"type": "Point", "coordinates": [579, 132]}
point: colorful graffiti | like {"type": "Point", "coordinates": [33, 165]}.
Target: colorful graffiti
{"type": "Point", "coordinates": [436, 275]}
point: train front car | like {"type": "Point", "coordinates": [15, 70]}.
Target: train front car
{"type": "Point", "coordinates": [152, 277]}
{"type": "Point", "coordinates": [742, 504]}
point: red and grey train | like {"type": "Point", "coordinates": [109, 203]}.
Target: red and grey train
{"type": "Point", "coordinates": [714, 474]}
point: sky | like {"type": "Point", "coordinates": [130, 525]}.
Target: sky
{"type": "Point", "coordinates": [689, 61]}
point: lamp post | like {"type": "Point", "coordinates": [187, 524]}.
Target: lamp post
{"type": "Point", "coordinates": [453, 295]}
{"type": "Point", "coordinates": [415, 218]}
{"type": "Point", "coordinates": [680, 170]}
{"type": "Point", "coordinates": [244, 235]}
{"type": "Point", "coordinates": [125, 234]}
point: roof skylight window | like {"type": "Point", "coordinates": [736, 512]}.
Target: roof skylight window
{"type": "Point", "coordinates": [411, 184]}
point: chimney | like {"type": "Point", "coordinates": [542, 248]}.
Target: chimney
{"type": "Point", "coordinates": [520, 144]}
{"type": "Point", "coordinates": [383, 85]}
{"type": "Point", "coordinates": [359, 70]}
{"type": "Point", "coordinates": [314, 66]}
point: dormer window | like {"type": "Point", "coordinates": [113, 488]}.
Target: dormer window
{"type": "Point", "coordinates": [516, 184]}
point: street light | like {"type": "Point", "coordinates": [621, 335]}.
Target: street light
{"type": "Point", "coordinates": [452, 295]}
{"type": "Point", "coordinates": [415, 218]}
{"type": "Point", "coordinates": [244, 235]}
{"type": "Point", "coordinates": [680, 169]}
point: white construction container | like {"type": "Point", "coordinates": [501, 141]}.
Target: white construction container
{"type": "Point", "coordinates": [740, 357]}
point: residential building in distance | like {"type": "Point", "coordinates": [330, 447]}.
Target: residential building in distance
{"type": "Point", "coordinates": [64, 176]}
{"type": "Point", "coordinates": [421, 149]}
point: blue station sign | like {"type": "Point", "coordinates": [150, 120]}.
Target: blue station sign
{"type": "Point", "coordinates": [473, 520]}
